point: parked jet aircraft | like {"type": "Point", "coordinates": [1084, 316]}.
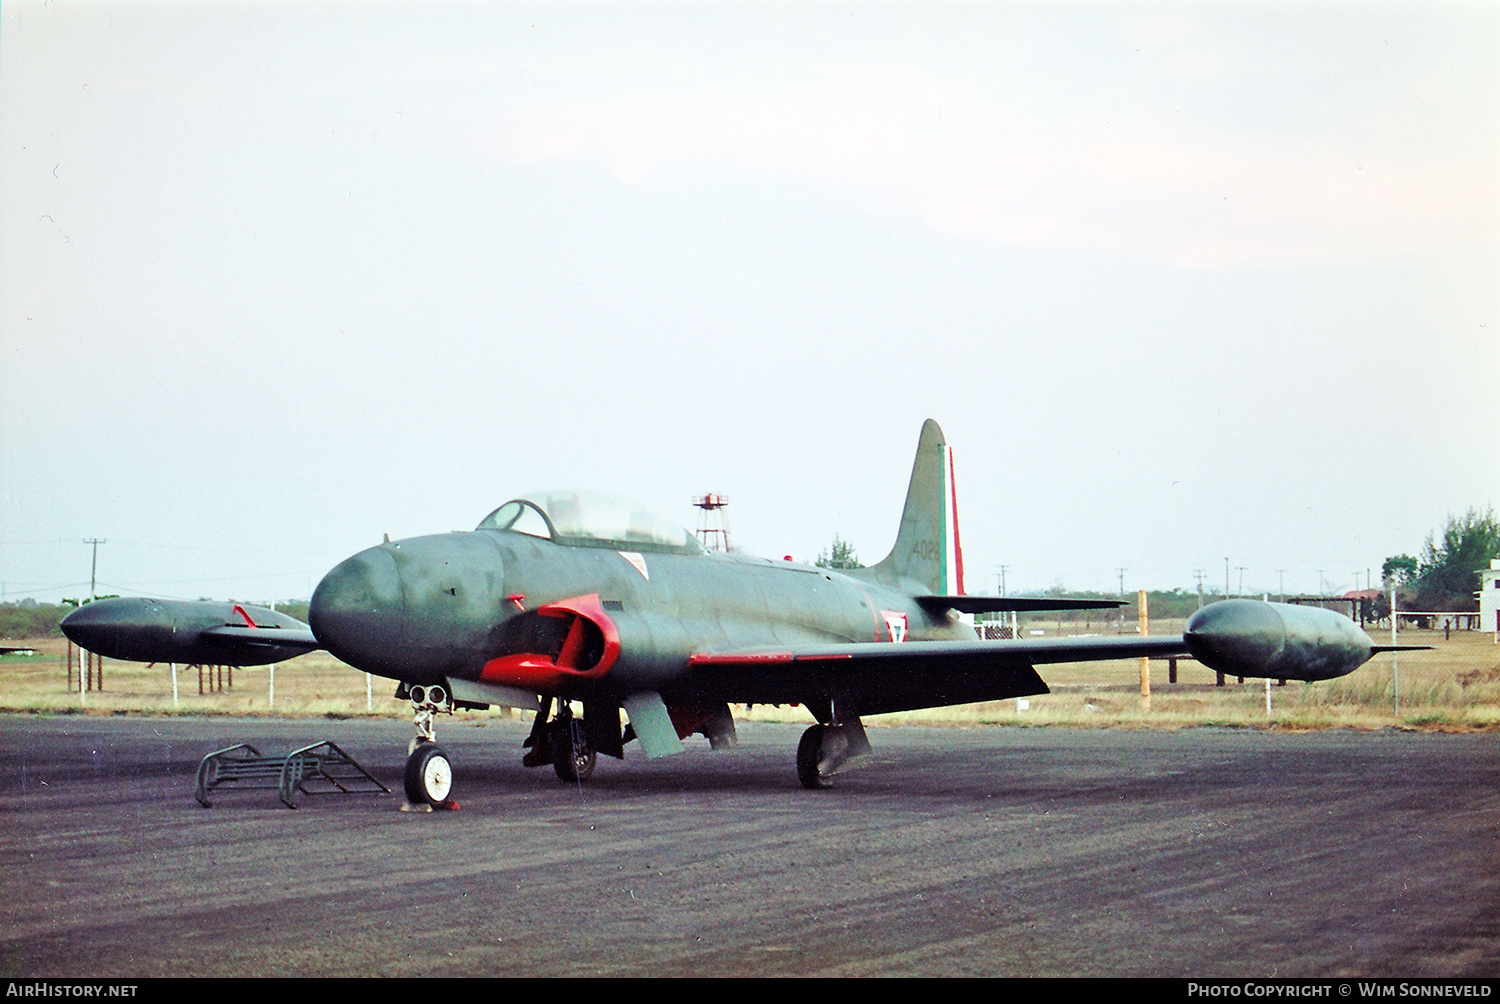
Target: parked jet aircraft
{"type": "Point", "coordinates": [566, 596]}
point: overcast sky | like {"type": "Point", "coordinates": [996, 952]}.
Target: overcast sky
{"type": "Point", "coordinates": [1181, 282]}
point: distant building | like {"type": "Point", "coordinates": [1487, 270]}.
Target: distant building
{"type": "Point", "coordinates": [1361, 604]}
{"type": "Point", "coordinates": [1489, 596]}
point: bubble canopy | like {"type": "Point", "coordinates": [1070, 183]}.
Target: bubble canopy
{"type": "Point", "coordinates": [591, 519]}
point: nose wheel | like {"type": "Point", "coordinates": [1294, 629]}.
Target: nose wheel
{"type": "Point", "coordinates": [429, 775]}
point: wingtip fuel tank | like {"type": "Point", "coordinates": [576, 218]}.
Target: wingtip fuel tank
{"type": "Point", "coordinates": [202, 632]}
{"type": "Point", "coordinates": [1277, 640]}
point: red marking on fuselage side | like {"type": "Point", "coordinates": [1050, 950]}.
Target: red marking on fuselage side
{"type": "Point", "coordinates": [895, 625]}
{"type": "Point", "coordinates": [762, 658]}
{"type": "Point", "coordinates": [241, 611]}
{"type": "Point", "coordinates": [541, 670]}
{"type": "Point", "coordinates": [738, 659]}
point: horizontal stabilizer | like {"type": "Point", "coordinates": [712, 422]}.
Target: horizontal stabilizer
{"type": "Point", "coordinates": [989, 604]}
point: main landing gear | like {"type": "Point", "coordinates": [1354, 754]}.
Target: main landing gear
{"type": "Point", "coordinates": [562, 741]}
{"type": "Point", "coordinates": [830, 748]}
{"type": "Point", "coordinates": [429, 772]}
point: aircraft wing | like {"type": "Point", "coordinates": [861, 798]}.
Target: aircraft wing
{"type": "Point", "coordinates": [1242, 637]}
{"type": "Point", "coordinates": [900, 676]}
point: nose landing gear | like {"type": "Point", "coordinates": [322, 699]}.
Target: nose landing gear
{"type": "Point", "coordinates": [429, 772]}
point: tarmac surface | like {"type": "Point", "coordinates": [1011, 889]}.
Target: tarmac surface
{"type": "Point", "coordinates": [998, 851]}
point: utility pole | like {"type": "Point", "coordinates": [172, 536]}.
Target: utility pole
{"type": "Point", "coordinates": [1199, 573]}
{"type": "Point", "coordinates": [1122, 598]}
{"type": "Point", "coordinates": [1145, 660]}
{"type": "Point", "coordinates": [1241, 569]}
{"type": "Point", "coordinates": [1395, 658]}
{"type": "Point", "coordinates": [94, 569]}
{"type": "Point", "coordinates": [1281, 583]}
{"type": "Point", "coordinates": [1013, 625]}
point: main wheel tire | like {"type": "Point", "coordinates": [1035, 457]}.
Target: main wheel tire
{"type": "Point", "coordinates": [572, 756]}
{"type": "Point", "coordinates": [429, 775]}
{"type": "Point", "coordinates": [809, 752]}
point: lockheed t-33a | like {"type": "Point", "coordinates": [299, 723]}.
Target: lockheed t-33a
{"type": "Point", "coordinates": [569, 598]}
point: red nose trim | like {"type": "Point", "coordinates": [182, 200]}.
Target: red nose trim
{"type": "Point", "coordinates": [541, 670]}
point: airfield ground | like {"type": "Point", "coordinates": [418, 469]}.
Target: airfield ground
{"type": "Point", "coordinates": [959, 851]}
{"type": "Point", "coordinates": [1332, 838]}
{"type": "Point", "coordinates": [1250, 847]}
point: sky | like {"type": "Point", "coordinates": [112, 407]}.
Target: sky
{"type": "Point", "coordinates": [1196, 290]}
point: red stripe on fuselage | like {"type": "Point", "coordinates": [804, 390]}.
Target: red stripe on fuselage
{"type": "Point", "coordinates": [739, 659]}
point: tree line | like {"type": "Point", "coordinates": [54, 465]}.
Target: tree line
{"type": "Point", "coordinates": [1447, 575]}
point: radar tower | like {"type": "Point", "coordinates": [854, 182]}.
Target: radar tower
{"type": "Point", "coordinates": [713, 525]}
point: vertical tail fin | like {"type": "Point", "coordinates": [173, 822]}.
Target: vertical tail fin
{"type": "Point", "coordinates": [927, 550]}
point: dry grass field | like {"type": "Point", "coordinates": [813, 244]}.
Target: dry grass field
{"type": "Point", "coordinates": [1455, 686]}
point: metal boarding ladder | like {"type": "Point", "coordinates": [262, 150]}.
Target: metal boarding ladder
{"type": "Point", "coordinates": [243, 765]}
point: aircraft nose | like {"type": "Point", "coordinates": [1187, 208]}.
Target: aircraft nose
{"type": "Point", "coordinates": [358, 611]}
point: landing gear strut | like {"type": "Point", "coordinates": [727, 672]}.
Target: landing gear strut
{"type": "Point", "coordinates": [572, 756]}
{"type": "Point", "coordinates": [429, 772]}
{"type": "Point", "coordinates": [562, 741]}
